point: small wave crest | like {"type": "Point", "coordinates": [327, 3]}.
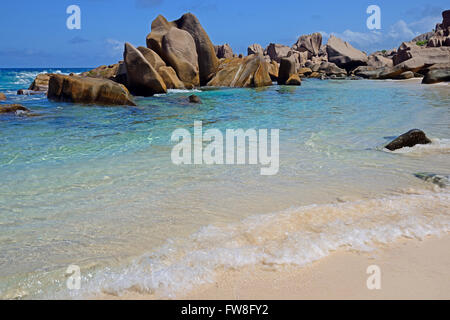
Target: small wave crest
{"type": "Point", "coordinates": [297, 236]}
{"type": "Point", "coordinates": [436, 146]}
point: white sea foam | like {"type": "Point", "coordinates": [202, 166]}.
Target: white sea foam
{"type": "Point", "coordinates": [169, 91]}
{"type": "Point", "coordinates": [436, 146]}
{"type": "Point", "coordinates": [297, 236]}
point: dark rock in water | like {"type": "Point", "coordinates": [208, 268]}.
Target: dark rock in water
{"type": "Point", "coordinates": [287, 69]}
{"type": "Point", "coordinates": [88, 90]}
{"type": "Point", "coordinates": [409, 139]}
{"type": "Point", "coordinates": [12, 108]}
{"type": "Point", "coordinates": [436, 76]}
{"type": "Point", "coordinates": [194, 99]}
{"type": "Point", "coordinates": [23, 92]}
{"type": "Point", "coordinates": [438, 179]}
{"type": "Point", "coordinates": [2, 96]}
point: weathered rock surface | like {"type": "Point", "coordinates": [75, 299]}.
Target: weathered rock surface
{"type": "Point", "coordinates": [287, 69]}
{"type": "Point", "coordinates": [170, 78]}
{"type": "Point", "coordinates": [207, 59]}
{"type": "Point", "coordinates": [409, 139]}
{"type": "Point", "coordinates": [2, 96]}
{"type": "Point", "coordinates": [436, 76]}
{"type": "Point", "coordinates": [179, 52]}
{"type": "Point", "coordinates": [101, 72]}
{"type": "Point", "coordinates": [330, 68]}
{"type": "Point", "coordinates": [224, 51]}
{"type": "Point", "coordinates": [12, 108]}
{"type": "Point", "coordinates": [251, 71]}
{"type": "Point", "coordinates": [255, 49]}
{"type": "Point", "coordinates": [425, 56]}
{"type": "Point", "coordinates": [379, 61]}
{"type": "Point", "coordinates": [309, 43]}
{"type": "Point", "coordinates": [152, 57]}
{"type": "Point", "coordinates": [88, 90]}
{"type": "Point", "coordinates": [160, 26]}
{"type": "Point", "coordinates": [40, 83]}
{"type": "Point", "coordinates": [277, 51]}
{"type": "Point", "coordinates": [344, 55]}
{"type": "Point", "coordinates": [294, 80]}
{"type": "Point", "coordinates": [273, 68]}
{"type": "Point", "coordinates": [142, 78]}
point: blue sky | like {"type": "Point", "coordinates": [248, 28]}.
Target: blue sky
{"type": "Point", "coordinates": [34, 33]}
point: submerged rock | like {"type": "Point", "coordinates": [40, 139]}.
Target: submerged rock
{"type": "Point", "coordinates": [23, 92]}
{"type": "Point", "coordinates": [194, 99]}
{"type": "Point", "coordinates": [13, 108]}
{"type": "Point", "coordinates": [2, 96]}
{"type": "Point", "coordinates": [409, 139]}
{"type": "Point", "coordinates": [88, 90]}
{"type": "Point", "coordinates": [438, 179]}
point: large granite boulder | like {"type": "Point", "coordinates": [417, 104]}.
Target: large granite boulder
{"type": "Point", "coordinates": [40, 83]}
{"type": "Point", "coordinates": [251, 71]}
{"type": "Point", "coordinates": [255, 49]}
{"type": "Point", "coordinates": [207, 59]}
{"type": "Point", "coordinates": [170, 78]}
{"type": "Point", "coordinates": [294, 80]}
{"type": "Point", "coordinates": [309, 43]}
{"type": "Point", "coordinates": [379, 61]}
{"type": "Point", "coordinates": [160, 26]}
{"type": "Point", "coordinates": [441, 36]}
{"type": "Point", "coordinates": [409, 139]}
{"type": "Point", "coordinates": [277, 51]}
{"type": "Point", "coordinates": [179, 52]}
{"type": "Point", "coordinates": [152, 57]}
{"type": "Point", "coordinates": [88, 90]}
{"type": "Point", "coordinates": [344, 55]}
{"type": "Point", "coordinates": [274, 69]}
{"type": "Point", "coordinates": [101, 72]}
{"type": "Point", "coordinates": [330, 68]}
{"type": "Point", "coordinates": [287, 69]}
{"type": "Point", "coordinates": [224, 51]}
{"type": "Point", "coordinates": [436, 76]}
{"type": "Point", "coordinates": [142, 78]}
{"type": "Point", "coordinates": [427, 55]}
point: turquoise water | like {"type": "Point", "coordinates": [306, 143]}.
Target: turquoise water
{"type": "Point", "coordinates": [95, 186]}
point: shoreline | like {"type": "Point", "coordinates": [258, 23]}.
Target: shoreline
{"type": "Point", "coordinates": [410, 269]}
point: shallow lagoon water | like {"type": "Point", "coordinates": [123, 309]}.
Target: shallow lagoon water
{"type": "Point", "coordinates": [95, 186]}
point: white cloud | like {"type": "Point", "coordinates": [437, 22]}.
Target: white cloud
{"type": "Point", "coordinates": [114, 47]}
{"type": "Point", "coordinates": [401, 30]}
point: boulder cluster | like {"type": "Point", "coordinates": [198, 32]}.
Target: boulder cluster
{"type": "Point", "coordinates": [180, 55]}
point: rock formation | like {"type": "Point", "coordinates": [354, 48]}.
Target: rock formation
{"type": "Point", "coordinates": [88, 90]}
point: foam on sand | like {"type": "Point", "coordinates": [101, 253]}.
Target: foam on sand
{"type": "Point", "coordinates": [297, 236]}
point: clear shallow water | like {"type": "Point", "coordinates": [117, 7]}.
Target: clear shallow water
{"type": "Point", "coordinates": [94, 186]}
